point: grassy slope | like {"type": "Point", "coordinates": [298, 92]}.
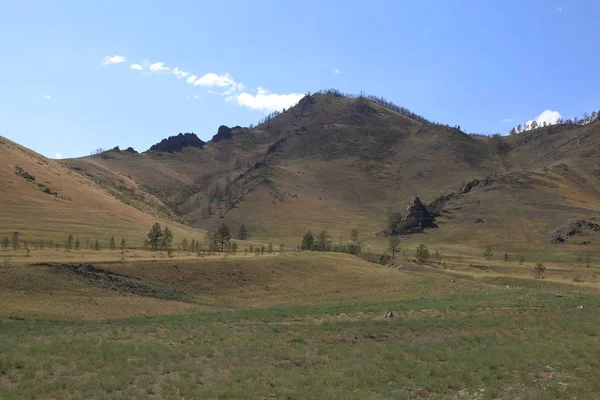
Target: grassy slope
{"type": "Point", "coordinates": [82, 207]}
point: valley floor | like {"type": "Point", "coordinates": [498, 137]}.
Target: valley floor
{"type": "Point", "coordinates": [292, 326]}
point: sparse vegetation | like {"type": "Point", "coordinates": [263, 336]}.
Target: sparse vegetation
{"type": "Point", "coordinates": [538, 271]}
{"type": "Point", "coordinates": [422, 253]}
{"type": "Point", "coordinates": [488, 253]}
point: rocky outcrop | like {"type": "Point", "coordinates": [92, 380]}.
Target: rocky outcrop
{"type": "Point", "coordinates": [177, 143]}
{"type": "Point", "coordinates": [224, 133]}
{"type": "Point", "coordinates": [416, 218]}
{"type": "Point", "coordinates": [473, 185]}
{"type": "Point", "coordinates": [575, 228]}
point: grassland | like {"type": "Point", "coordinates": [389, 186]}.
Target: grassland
{"type": "Point", "coordinates": [296, 326]}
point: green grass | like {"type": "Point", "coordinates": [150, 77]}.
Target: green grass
{"type": "Point", "coordinates": [525, 343]}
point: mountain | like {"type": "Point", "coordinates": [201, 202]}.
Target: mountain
{"type": "Point", "coordinates": [337, 163]}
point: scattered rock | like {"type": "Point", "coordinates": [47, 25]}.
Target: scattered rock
{"type": "Point", "coordinates": [479, 221]}
{"type": "Point", "coordinates": [389, 315]}
{"type": "Point", "coordinates": [573, 229]}
{"type": "Point", "coordinates": [580, 307]}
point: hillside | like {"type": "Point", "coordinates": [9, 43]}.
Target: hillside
{"type": "Point", "coordinates": [45, 200]}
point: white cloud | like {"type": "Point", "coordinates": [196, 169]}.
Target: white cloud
{"type": "Point", "coordinates": [179, 73]}
{"type": "Point", "coordinates": [195, 97]}
{"type": "Point", "coordinates": [559, 9]}
{"type": "Point", "coordinates": [58, 156]}
{"type": "Point", "coordinates": [266, 101]}
{"type": "Point", "coordinates": [47, 97]}
{"type": "Point", "coordinates": [548, 116]}
{"type": "Point", "coordinates": [191, 79]}
{"type": "Point", "coordinates": [159, 67]}
{"type": "Point", "coordinates": [137, 67]}
{"type": "Point", "coordinates": [508, 120]}
{"type": "Point", "coordinates": [212, 80]}
{"type": "Point", "coordinates": [108, 60]}
{"type": "Point", "coordinates": [336, 71]}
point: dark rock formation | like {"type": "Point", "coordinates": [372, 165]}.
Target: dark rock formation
{"type": "Point", "coordinates": [130, 150]}
{"type": "Point", "coordinates": [573, 229]}
{"type": "Point", "coordinates": [177, 143]}
{"type": "Point", "coordinates": [224, 133]}
{"type": "Point", "coordinates": [416, 218]}
{"type": "Point", "coordinates": [474, 184]}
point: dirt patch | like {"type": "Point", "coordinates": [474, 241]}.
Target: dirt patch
{"type": "Point", "coordinates": [114, 281]}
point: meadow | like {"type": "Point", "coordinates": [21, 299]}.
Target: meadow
{"type": "Point", "coordinates": [296, 326]}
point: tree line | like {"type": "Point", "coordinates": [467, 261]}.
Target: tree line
{"type": "Point", "coordinates": [323, 242]}
{"type": "Point", "coordinates": [586, 119]}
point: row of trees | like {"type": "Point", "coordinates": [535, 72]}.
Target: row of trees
{"type": "Point", "coordinates": [323, 242]}
{"type": "Point", "coordinates": [586, 119]}
{"type": "Point", "coordinates": [70, 243]}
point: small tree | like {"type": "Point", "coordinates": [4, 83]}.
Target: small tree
{"type": "Point", "coordinates": [422, 253]}
{"type": "Point", "coordinates": [588, 259]}
{"type": "Point", "coordinates": [96, 245]}
{"type": "Point", "coordinates": [270, 248]}
{"type": "Point", "coordinates": [521, 260]}
{"type": "Point", "coordinates": [579, 259]}
{"type": "Point", "coordinates": [146, 244]}
{"type": "Point", "coordinates": [488, 253]}
{"type": "Point", "coordinates": [262, 249]}
{"type": "Point", "coordinates": [184, 244]}
{"type": "Point", "coordinates": [324, 241]}
{"type": "Point", "coordinates": [281, 248]}
{"type": "Point", "coordinates": [243, 232]}
{"type": "Point", "coordinates": [393, 248]}
{"type": "Point", "coordinates": [233, 248]}
{"type": "Point", "coordinates": [257, 251]}
{"type": "Point", "coordinates": [193, 245]}
{"type": "Point", "coordinates": [355, 244]}
{"type": "Point", "coordinates": [166, 243]}
{"type": "Point", "coordinates": [308, 241]}
{"type": "Point", "coordinates": [15, 240]}
{"type": "Point", "coordinates": [505, 257]}
{"type": "Point", "coordinates": [123, 244]}
{"type": "Point", "coordinates": [27, 252]}
{"type": "Point", "coordinates": [155, 237]}
{"type": "Point", "coordinates": [111, 243]}
{"type": "Point", "coordinates": [77, 244]}
{"type": "Point", "coordinates": [538, 271]}
{"type": "Point", "coordinates": [5, 243]}
{"type": "Point", "coordinates": [69, 243]}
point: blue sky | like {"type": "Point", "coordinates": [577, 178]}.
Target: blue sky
{"type": "Point", "coordinates": [67, 85]}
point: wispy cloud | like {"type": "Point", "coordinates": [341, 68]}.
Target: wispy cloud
{"type": "Point", "coordinates": [57, 155]}
{"type": "Point", "coordinates": [508, 120]}
{"type": "Point", "coordinates": [159, 67]}
{"type": "Point", "coordinates": [47, 97]}
{"type": "Point", "coordinates": [559, 9]}
{"type": "Point", "coordinates": [179, 73]}
{"type": "Point", "coordinates": [233, 90]}
{"type": "Point", "coordinates": [336, 71]}
{"type": "Point", "coordinates": [109, 60]}
{"type": "Point", "coordinates": [194, 97]}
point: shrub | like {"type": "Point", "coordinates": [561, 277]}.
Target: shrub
{"type": "Point", "coordinates": [538, 271]}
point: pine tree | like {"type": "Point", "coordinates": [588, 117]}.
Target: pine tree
{"type": "Point", "coordinates": [96, 245]}
{"type": "Point", "coordinates": [393, 247]}
{"type": "Point", "coordinates": [243, 232]}
{"type": "Point", "coordinates": [281, 248]}
{"type": "Point", "coordinates": [233, 248]}
{"type": "Point", "coordinates": [308, 241]}
{"type": "Point", "coordinates": [166, 243]}
{"type": "Point", "coordinates": [155, 237]}
{"type": "Point", "coordinates": [223, 237]}
{"type": "Point", "coordinates": [184, 244]}
{"type": "Point", "coordinates": [77, 244]}
{"type": "Point", "coordinates": [422, 253]}
{"type": "Point", "coordinates": [270, 248]}
{"type": "Point", "coordinates": [193, 245]}
{"type": "Point", "coordinates": [111, 243]}
{"type": "Point", "coordinates": [505, 257]}
{"type": "Point", "coordinates": [123, 244]}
